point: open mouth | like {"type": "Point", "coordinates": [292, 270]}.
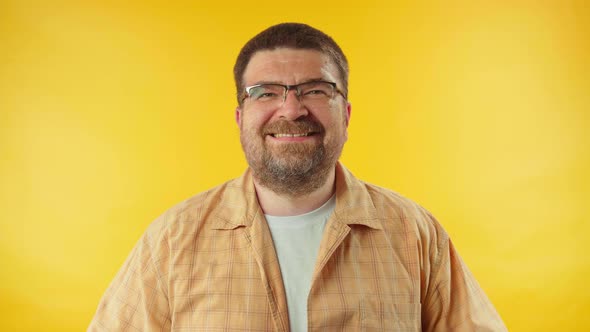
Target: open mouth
{"type": "Point", "coordinates": [293, 131]}
{"type": "Point", "coordinates": [281, 135]}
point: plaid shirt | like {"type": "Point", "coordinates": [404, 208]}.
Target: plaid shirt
{"type": "Point", "coordinates": [208, 264]}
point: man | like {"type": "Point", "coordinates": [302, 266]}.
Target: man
{"type": "Point", "coordinates": [297, 243]}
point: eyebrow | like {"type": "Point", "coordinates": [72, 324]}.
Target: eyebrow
{"type": "Point", "coordinates": [320, 79]}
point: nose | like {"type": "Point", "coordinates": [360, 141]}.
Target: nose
{"type": "Point", "coordinates": [292, 108]}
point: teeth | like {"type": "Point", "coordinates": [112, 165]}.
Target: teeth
{"type": "Point", "coordinates": [290, 135]}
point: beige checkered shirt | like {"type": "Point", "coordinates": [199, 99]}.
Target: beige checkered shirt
{"type": "Point", "coordinates": [208, 264]}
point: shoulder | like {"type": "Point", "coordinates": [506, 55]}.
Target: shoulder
{"type": "Point", "coordinates": [396, 214]}
{"type": "Point", "coordinates": [395, 210]}
{"type": "Point", "coordinates": [191, 215]}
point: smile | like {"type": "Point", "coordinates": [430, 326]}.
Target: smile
{"type": "Point", "coordinates": [291, 135]}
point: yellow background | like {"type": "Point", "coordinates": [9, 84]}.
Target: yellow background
{"type": "Point", "coordinates": [110, 113]}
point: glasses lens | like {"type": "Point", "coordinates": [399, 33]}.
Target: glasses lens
{"type": "Point", "coordinates": [266, 92]}
{"type": "Point", "coordinates": [316, 91]}
{"type": "Point", "coordinates": [311, 94]}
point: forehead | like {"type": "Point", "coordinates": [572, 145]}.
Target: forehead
{"type": "Point", "coordinates": [288, 66]}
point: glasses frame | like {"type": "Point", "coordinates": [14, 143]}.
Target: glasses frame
{"type": "Point", "coordinates": [292, 87]}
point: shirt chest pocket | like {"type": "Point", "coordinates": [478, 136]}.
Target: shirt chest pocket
{"type": "Point", "coordinates": [379, 315]}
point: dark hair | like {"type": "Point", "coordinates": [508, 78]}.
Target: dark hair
{"type": "Point", "coordinates": [291, 35]}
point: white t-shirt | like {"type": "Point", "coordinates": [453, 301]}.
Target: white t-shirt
{"type": "Point", "coordinates": [297, 241]}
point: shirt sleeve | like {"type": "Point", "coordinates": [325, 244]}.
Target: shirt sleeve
{"type": "Point", "coordinates": [454, 300]}
{"type": "Point", "coordinates": [136, 300]}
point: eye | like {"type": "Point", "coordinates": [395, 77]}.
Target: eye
{"type": "Point", "coordinates": [315, 92]}
{"type": "Point", "coordinates": [265, 92]}
{"type": "Point", "coordinates": [264, 95]}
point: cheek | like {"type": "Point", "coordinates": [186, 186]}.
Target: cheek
{"type": "Point", "coordinates": [254, 116]}
{"type": "Point", "coordinates": [335, 119]}
{"type": "Point", "coordinates": [251, 122]}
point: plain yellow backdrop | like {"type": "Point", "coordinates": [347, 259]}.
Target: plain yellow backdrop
{"type": "Point", "coordinates": [110, 113]}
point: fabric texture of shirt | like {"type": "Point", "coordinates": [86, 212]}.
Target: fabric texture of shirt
{"type": "Point", "coordinates": [209, 264]}
{"type": "Point", "coordinates": [297, 240]}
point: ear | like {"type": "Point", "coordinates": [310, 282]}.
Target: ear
{"type": "Point", "coordinates": [238, 116]}
{"type": "Point", "coordinates": [348, 110]}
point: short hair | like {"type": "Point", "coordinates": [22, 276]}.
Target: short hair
{"type": "Point", "coordinates": [295, 36]}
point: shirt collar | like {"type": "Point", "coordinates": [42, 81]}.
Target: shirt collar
{"type": "Point", "coordinates": [238, 203]}
{"type": "Point", "coordinates": [354, 205]}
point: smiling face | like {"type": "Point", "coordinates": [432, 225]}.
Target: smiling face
{"type": "Point", "coordinates": [292, 148]}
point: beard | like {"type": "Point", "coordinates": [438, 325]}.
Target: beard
{"type": "Point", "coordinates": [291, 168]}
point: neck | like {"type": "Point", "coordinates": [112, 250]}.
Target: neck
{"type": "Point", "coordinates": [288, 205]}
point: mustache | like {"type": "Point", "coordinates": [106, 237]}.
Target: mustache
{"type": "Point", "coordinates": [293, 127]}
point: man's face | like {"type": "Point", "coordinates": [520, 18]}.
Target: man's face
{"type": "Point", "coordinates": [292, 148]}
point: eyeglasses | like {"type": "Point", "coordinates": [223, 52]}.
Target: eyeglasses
{"type": "Point", "coordinates": [313, 94]}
